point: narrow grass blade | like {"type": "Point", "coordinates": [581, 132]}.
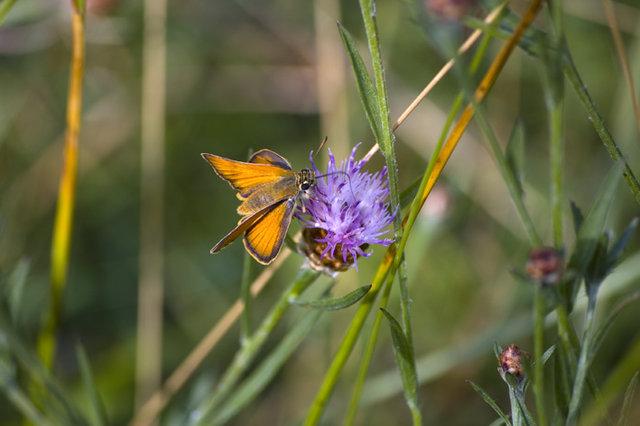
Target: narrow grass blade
{"type": "Point", "coordinates": [515, 153]}
{"type": "Point", "coordinates": [490, 401]}
{"type": "Point", "coordinates": [628, 399]}
{"type": "Point", "coordinates": [618, 378]}
{"type": "Point", "coordinates": [265, 372]}
{"type": "Point", "coordinates": [366, 89]}
{"type": "Point", "coordinates": [5, 7]}
{"type": "Point", "coordinates": [404, 360]}
{"type": "Point", "coordinates": [335, 303]}
{"type": "Point", "coordinates": [15, 289]}
{"type": "Point", "coordinates": [592, 227]}
{"type": "Point", "coordinates": [578, 217]}
{"type": "Point", "coordinates": [55, 403]}
{"type": "Point", "coordinates": [547, 354]}
{"type": "Point", "coordinates": [621, 244]}
{"type": "Point", "coordinates": [606, 324]}
{"type": "Point", "coordinates": [95, 403]}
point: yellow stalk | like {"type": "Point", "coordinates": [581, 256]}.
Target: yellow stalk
{"type": "Point", "coordinates": [63, 224]}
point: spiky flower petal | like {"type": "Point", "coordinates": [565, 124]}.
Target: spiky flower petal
{"type": "Point", "coordinates": [350, 206]}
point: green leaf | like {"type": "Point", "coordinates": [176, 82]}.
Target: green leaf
{"type": "Point", "coordinates": [562, 382]}
{"type": "Point", "coordinates": [526, 415]}
{"type": "Point", "coordinates": [267, 370]}
{"type": "Point", "coordinates": [628, 399]}
{"type": "Point", "coordinates": [97, 408]}
{"type": "Point", "coordinates": [336, 303]}
{"type": "Point", "coordinates": [366, 89]}
{"type": "Point", "coordinates": [5, 7]}
{"type": "Point", "coordinates": [497, 350]}
{"type": "Point", "coordinates": [547, 354]}
{"type": "Point", "coordinates": [621, 244]}
{"type": "Point", "coordinates": [592, 227]}
{"type": "Point", "coordinates": [497, 422]}
{"type": "Point", "coordinates": [606, 324]}
{"type": "Point", "coordinates": [578, 217]}
{"type": "Point", "coordinates": [404, 360]}
{"type": "Point", "coordinates": [515, 153]}
{"type": "Point", "coordinates": [15, 288]}
{"type": "Point", "coordinates": [490, 401]}
{"type": "Point", "coordinates": [409, 194]}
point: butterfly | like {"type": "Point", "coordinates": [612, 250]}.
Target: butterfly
{"type": "Point", "coordinates": [269, 190]}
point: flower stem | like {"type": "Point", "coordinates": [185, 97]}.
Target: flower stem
{"type": "Point", "coordinates": [570, 71]}
{"type": "Point", "coordinates": [584, 360]}
{"type": "Point", "coordinates": [388, 151]}
{"type": "Point", "coordinates": [366, 359]}
{"type": "Point", "coordinates": [63, 225]}
{"type": "Point", "coordinates": [254, 343]}
{"type": "Point", "coordinates": [538, 348]}
{"type": "Point", "coordinates": [349, 340]}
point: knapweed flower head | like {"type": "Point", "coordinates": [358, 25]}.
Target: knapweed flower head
{"type": "Point", "coordinates": [346, 213]}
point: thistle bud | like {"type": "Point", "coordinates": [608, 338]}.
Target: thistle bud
{"type": "Point", "coordinates": [545, 265]}
{"type": "Point", "coordinates": [448, 9]}
{"type": "Point", "coordinates": [510, 361]}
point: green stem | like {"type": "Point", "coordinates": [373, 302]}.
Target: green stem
{"type": "Point", "coordinates": [538, 347]}
{"type": "Point", "coordinates": [267, 370]}
{"type": "Point", "coordinates": [245, 295]}
{"type": "Point", "coordinates": [516, 413]}
{"type": "Point", "coordinates": [617, 380]}
{"type": "Point", "coordinates": [570, 71]}
{"type": "Point", "coordinates": [366, 358]}
{"type": "Point", "coordinates": [584, 360]}
{"type": "Point", "coordinates": [5, 7]}
{"type": "Point", "coordinates": [556, 118]}
{"type": "Point", "coordinates": [348, 342]}
{"type": "Point", "coordinates": [507, 175]}
{"type": "Point", "coordinates": [63, 223]}
{"type": "Point", "coordinates": [565, 331]}
{"type": "Point", "coordinates": [388, 151]}
{"type": "Point", "coordinates": [254, 343]}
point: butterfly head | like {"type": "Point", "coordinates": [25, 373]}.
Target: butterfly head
{"type": "Point", "coordinates": [306, 180]}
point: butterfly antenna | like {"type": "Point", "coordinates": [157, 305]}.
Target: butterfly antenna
{"type": "Point", "coordinates": [324, 141]}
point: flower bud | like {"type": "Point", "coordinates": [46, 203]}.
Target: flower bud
{"type": "Point", "coordinates": [448, 9]}
{"type": "Point", "coordinates": [319, 258]}
{"type": "Point", "coordinates": [545, 265]}
{"type": "Point", "coordinates": [510, 361]}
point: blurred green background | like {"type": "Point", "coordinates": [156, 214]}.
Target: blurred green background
{"type": "Point", "coordinates": [245, 75]}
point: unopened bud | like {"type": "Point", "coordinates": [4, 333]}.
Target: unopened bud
{"type": "Point", "coordinates": [545, 265]}
{"type": "Point", "coordinates": [448, 9]}
{"type": "Point", "coordinates": [510, 361]}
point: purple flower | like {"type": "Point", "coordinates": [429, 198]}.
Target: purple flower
{"type": "Point", "coordinates": [346, 213]}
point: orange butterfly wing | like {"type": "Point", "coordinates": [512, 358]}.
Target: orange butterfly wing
{"type": "Point", "coordinates": [247, 177]}
{"type": "Point", "coordinates": [266, 156]}
{"type": "Point", "coordinates": [263, 240]}
{"type": "Point", "coordinates": [264, 231]}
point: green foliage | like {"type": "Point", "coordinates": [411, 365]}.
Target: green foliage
{"type": "Point", "coordinates": [238, 78]}
{"type": "Point", "coordinates": [336, 303]}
